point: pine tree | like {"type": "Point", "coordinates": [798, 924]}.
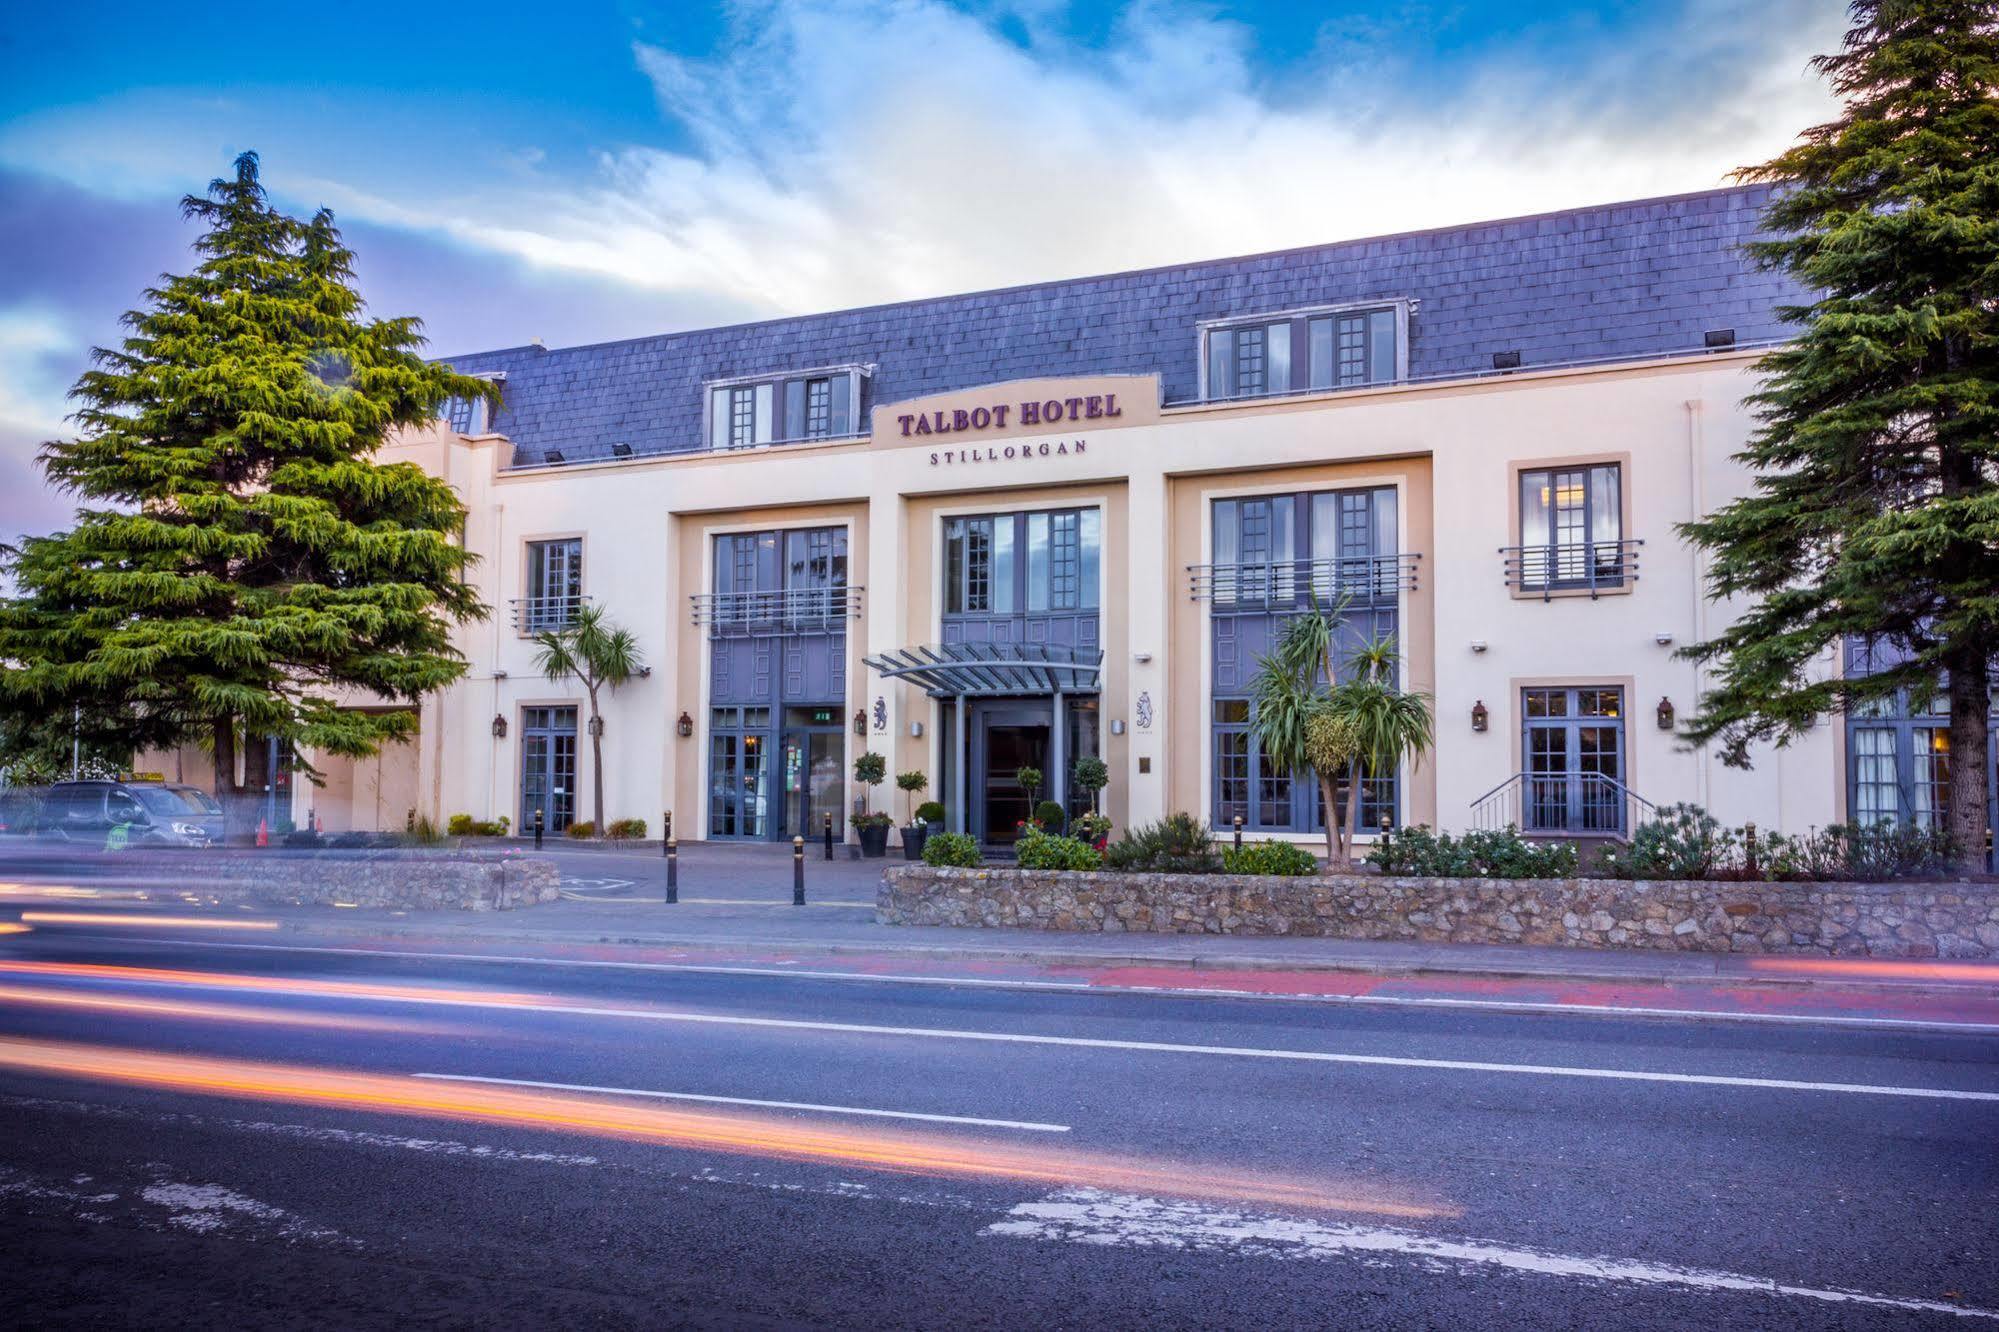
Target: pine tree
{"type": "Point", "coordinates": [1876, 507]}
{"type": "Point", "coordinates": [239, 557]}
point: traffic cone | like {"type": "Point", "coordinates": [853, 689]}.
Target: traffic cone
{"type": "Point", "coordinates": [263, 832]}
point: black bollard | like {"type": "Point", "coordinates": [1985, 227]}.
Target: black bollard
{"type": "Point", "coordinates": [798, 871]}
{"type": "Point", "coordinates": [829, 837]}
{"type": "Point", "coordinates": [1238, 832]}
{"type": "Point", "coordinates": [665, 832]}
{"type": "Point", "coordinates": [537, 830]}
{"type": "Point", "coordinates": [672, 872]}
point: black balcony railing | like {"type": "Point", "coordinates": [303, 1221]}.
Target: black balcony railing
{"type": "Point", "coordinates": [545, 615]}
{"type": "Point", "coordinates": [1361, 580]}
{"type": "Point", "coordinates": [1594, 567]}
{"type": "Point", "coordinates": [1575, 804]}
{"type": "Point", "coordinates": [823, 608]}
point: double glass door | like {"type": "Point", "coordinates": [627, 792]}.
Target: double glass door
{"type": "Point", "coordinates": [548, 768]}
{"type": "Point", "coordinates": [1574, 750]}
{"type": "Point", "coordinates": [1006, 740]}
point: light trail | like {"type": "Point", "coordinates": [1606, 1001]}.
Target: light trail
{"type": "Point", "coordinates": [195, 1008]}
{"type": "Point", "coordinates": [900, 1152]}
{"type": "Point", "coordinates": [318, 989]}
{"type": "Point", "coordinates": [14, 927]}
{"type": "Point", "coordinates": [1879, 968]}
{"type": "Point", "coordinates": [144, 921]}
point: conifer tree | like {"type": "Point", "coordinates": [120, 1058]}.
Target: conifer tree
{"type": "Point", "coordinates": [239, 557]}
{"type": "Point", "coordinates": [1876, 507]}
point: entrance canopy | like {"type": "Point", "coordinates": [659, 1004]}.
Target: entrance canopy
{"type": "Point", "coordinates": [989, 670]}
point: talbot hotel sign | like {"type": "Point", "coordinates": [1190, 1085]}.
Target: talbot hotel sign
{"type": "Point", "coordinates": [1032, 414]}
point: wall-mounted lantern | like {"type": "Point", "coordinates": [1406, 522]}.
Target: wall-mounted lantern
{"type": "Point", "coordinates": [1479, 716]}
{"type": "Point", "coordinates": [596, 728]}
{"type": "Point", "coordinates": [685, 725]}
{"type": "Point", "coordinates": [861, 723]}
{"type": "Point", "coordinates": [499, 726]}
{"type": "Point", "coordinates": [1665, 714]}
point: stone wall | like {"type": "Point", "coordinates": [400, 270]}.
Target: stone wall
{"type": "Point", "coordinates": [1947, 919]}
{"type": "Point", "coordinates": [404, 879]}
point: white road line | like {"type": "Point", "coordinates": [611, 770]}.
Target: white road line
{"type": "Point", "coordinates": [1087, 1216]}
{"type": "Point", "coordinates": [1027, 1125]}
{"type": "Point", "coordinates": [447, 999]}
{"type": "Point", "coordinates": [1084, 987]}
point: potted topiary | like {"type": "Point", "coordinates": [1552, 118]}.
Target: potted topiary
{"type": "Point", "coordinates": [931, 815]}
{"type": "Point", "coordinates": [1049, 815]}
{"type": "Point", "coordinates": [916, 830]}
{"type": "Point", "coordinates": [870, 769]}
{"type": "Point", "coordinates": [1029, 778]}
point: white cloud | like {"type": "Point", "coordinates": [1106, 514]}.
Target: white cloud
{"type": "Point", "coordinates": [867, 150]}
{"type": "Point", "coordinates": [849, 151]}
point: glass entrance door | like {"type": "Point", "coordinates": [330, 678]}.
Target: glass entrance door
{"type": "Point", "coordinates": [1002, 802]}
{"type": "Point", "coordinates": [548, 768]}
{"type": "Point", "coordinates": [814, 786]}
{"type": "Point", "coordinates": [1574, 752]}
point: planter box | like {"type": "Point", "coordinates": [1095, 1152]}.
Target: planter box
{"type": "Point", "coordinates": [1928, 919]}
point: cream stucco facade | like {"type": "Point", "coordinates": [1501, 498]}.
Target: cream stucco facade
{"type": "Point", "coordinates": [1450, 451]}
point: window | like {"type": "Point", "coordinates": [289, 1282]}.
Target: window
{"type": "Point", "coordinates": [1266, 800]}
{"type": "Point", "coordinates": [1572, 528]}
{"type": "Point", "coordinates": [1899, 762]}
{"type": "Point", "coordinates": [554, 584]}
{"type": "Point", "coordinates": [1273, 549]}
{"type": "Point", "coordinates": [458, 414]}
{"type": "Point", "coordinates": [1337, 349]}
{"type": "Point", "coordinates": [984, 575]}
{"type": "Point", "coordinates": [820, 405]}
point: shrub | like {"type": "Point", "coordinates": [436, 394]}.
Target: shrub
{"type": "Point", "coordinates": [1480, 854]}
{"type": "Point", "coordinates": [626, 829]}
{"type": "Point", "coordinates": [1856, 852]}
{"type": "Point", "coordinates": [459, 825]}
{"type": "Point", "coordinates": [877, 819]}
{"type": "Point", "coordinates": [1090, 775]}
{"type": "Point", "coordinates": [1177, 844]}
{"type": "Point", "coordinates": [930, 811]}
{"type": "Point", "coordinates": [1037, 850]}
{"type": "Point", "coordinates": [1092, 828]}
{"type": "Point", "coordinates": [952, 850]}
{"type": "Point", "coordinates": [1269, 858]}
{"type": "Point", "coordinates": [583, 829]}
{"type": "Point", "coordinates": [1051, 816]}
{"type": "Point", "coordinates": [422, 831]}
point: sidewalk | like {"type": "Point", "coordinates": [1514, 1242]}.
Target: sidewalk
{"type": "Point", "coordinates": [735, 901]}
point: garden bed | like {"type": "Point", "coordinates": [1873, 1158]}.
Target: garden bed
{"type": "Point", "coordinates": [1916, 919]}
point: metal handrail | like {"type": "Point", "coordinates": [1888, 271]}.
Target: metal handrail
{"type": "Point", "coordinates": [1571, 566]}
{"type": "Point", "coordinates": [1361, 578]}
{"type": "Point", "coordinates": [792, 607]}
{"type": "Point", "coordinates": [539, 615]}
{"type": "Point", "coordinates": [1507, 804]}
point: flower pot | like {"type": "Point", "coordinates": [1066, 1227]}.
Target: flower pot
{"type": "Point", "coordinates": [913, 838]}
{"type": "Point", "coordinates": [874, 840]}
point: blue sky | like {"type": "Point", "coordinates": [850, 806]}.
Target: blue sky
{"type": "Point", "coordinates": [593, 171]}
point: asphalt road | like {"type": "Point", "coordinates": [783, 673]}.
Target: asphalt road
{"type": "Point", "coordinates": [193, 1134]}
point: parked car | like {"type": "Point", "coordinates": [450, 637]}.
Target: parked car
{"type": "Point", "coordinates": [19, 808]}
{"type": "Point", "coordinates": [151, 814]}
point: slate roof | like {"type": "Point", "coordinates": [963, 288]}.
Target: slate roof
{"type": "Point", "coordinates": [1620, 280]}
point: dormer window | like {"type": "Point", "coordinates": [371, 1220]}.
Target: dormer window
{"type": "Point", "coordinates": [785, 409]}
{"type": "Point", "coordinates": [469, 416]}
{"type": "Point", "coordinates": [1304, 350]}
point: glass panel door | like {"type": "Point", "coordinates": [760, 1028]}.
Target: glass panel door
{"type": "Point", "coordinates": [548, 768]}
{"type": "Point", "coordinates": [814, 784]}
{"type": "Point", "coordinates": [1005, 803]}
{"type": "Point", "coordinates": [1573, 747]}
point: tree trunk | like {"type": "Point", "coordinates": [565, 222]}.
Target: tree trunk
{"type": "Point", "coordinates": [1331, 797]}
{"type": "Point", "coordinates": [223, 744]}
{"type": "Point", "coordinates": [596, 764]}
{"type": "Point", "coordinates": [1970, 734]}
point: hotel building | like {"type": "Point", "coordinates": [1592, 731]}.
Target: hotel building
{"type": "Point", "coordinates": [1017, 527]}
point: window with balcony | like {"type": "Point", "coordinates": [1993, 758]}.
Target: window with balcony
{"type": "Point", "coordinates": [765, 581]}
{"type": "Point", "coordinates": [821, 404]}
{"type": "Point", "coordinates": [1572, 532]}
{"type": "Point", "coordinates": [1299, 352]}
{"type": "Point", "coordinates": [554, 586]}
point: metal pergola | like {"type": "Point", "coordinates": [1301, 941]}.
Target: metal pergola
{"type": "Point", "coordinates": [964, 671]}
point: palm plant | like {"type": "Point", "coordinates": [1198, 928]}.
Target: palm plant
{"type": "Point", "coordinates": [600, 656]}
{"type": "Point", "coordinates": [1304, 715]}
{"type": "Point", "coordinates": [1291, 713]}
